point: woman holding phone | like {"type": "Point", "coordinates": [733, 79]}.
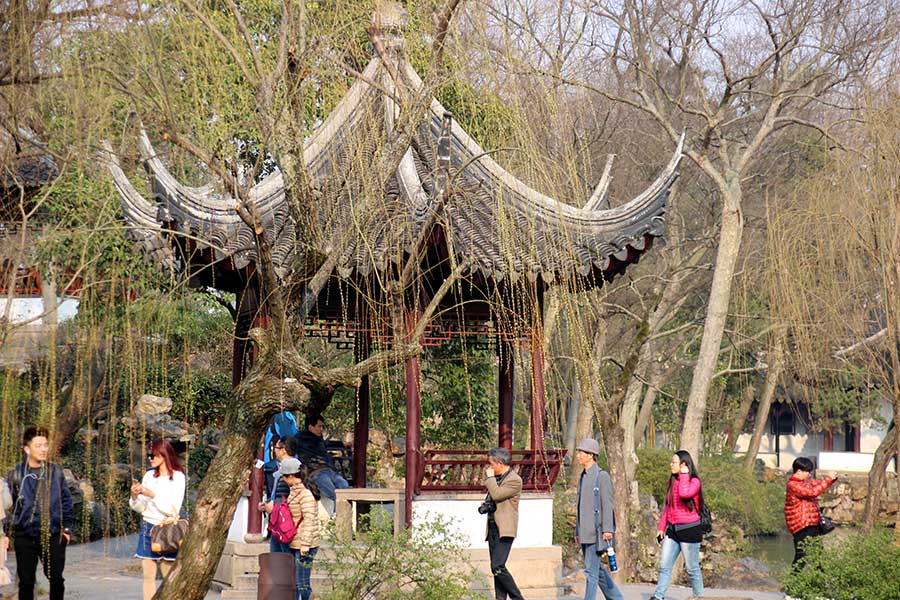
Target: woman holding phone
{"type": "Point", "coordinates": [680, 530]}
{"type": "Point", "coordinates": [159, 495]}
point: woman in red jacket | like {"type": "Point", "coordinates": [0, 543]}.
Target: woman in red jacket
{"type": "Point", "coordinates": [801, 503]}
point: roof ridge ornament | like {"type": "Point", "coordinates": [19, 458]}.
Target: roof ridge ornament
{"type": "Point", "coordinates": [389, 22]}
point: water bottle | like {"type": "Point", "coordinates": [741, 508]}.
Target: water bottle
{"type": "Point", "coordinates": [611, 556]}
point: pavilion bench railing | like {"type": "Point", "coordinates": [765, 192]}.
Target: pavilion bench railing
{"type": "Point", "coordinates": [463, 470]}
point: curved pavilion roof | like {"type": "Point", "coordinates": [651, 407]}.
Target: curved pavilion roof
{"type": "Point", "coordinates": [502, 226]}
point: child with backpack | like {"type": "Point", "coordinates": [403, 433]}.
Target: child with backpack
{"type": "Point", "coordinates": [296, 523]}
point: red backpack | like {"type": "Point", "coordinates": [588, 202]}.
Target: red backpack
{"type": "Point", "coordinates": [281, 522]}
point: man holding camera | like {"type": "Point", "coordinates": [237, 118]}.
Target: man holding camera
{"type": "Point", "coordinates": [502, 509]}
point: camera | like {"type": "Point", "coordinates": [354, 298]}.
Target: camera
{"type": "Point", "coordinates": [487, 507]}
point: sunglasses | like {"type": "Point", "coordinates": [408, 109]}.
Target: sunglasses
{"type": "Point", "coordinates": [152, 456]}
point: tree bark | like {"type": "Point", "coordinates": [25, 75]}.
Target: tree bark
{"type": "Point", "coordinates": [640, 429]}
{"type": "Point", "coordinates": [765, 404]}
{"type": "Point", "coordinates": [255, 401]}
{"type": "Point", "coordinates": [716, 315]}
{"type": "Point", "coordinates": [886, 449]}
{"type": "Point", "coordinates": [737, 425]}
{"type": "Point", "coordinates": [613, 444]}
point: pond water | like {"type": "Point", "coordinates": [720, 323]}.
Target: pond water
{"type": "Point", "coordinates": [777, 551]}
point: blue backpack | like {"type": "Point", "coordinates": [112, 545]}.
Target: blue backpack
{"type": "Point", "coordinates": [282, 425]}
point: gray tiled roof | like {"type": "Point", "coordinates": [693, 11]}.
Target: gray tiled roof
{"type": "Point", "coordinates": [505, 228]}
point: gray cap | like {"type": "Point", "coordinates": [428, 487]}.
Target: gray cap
{"type": "Point", "coordinates": [290, 466]}
{"type": "Point", "coordinates": [589, 445]}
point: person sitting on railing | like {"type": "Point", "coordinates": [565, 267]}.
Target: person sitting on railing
{"type": "Point", "coordinates": [311, 449]}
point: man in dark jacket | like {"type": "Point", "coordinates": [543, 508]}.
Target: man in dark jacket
{"type": "Point", "coordinates": [41, 516]}
{"type": "Point", "coordinates": [596, 523]}
{"type": "Point", "coordinates": [313, 453]}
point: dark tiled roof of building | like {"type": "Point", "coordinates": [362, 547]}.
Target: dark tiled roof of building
{"type": "Point", "coordinates": [504, 228]}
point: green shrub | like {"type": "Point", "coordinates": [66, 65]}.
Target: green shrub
{"type": "Point", "coordinates": [421, 564]}
{"type": "Point", "coordinates": [734, 495]}
{"type": "Point", "coordinates": [862, 568]}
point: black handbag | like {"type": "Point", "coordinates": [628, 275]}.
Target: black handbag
{"type": "Point", "coordinates": [705, 519]}
{"type": "Point", "coordinates": [826, 525]}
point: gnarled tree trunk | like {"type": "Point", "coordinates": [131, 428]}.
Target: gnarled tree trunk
{"type": "Point", "coordinates": [886, 450]}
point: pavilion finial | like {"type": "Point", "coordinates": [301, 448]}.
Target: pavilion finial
{"type": "Point", "coordinates": [388, 24]}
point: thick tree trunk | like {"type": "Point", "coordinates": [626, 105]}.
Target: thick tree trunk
{"type": "Point", "coordinates": [765, 404]}
{"type": "Point", "coordinates": [613, 444]}
{"type": "Point", "coordinates": [640, 429]}
{"type": "Point", "coordinates": [886, 450]}
{"type": "Point", "coordinates": [261, 396]}
{"type": "Point", "coordinates": [737, 425]}
{"type": "Point", "coordinates": [584, 427]}
{"type": "Point", "coordinates": [211, 518]}
{"type": "Point", "coordinates": [716, 315]}
{"type": "Point", "coordinates": [630, 409]}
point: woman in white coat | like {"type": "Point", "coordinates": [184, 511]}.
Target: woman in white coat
{"type": "Point", "coordinates": [157, 497]}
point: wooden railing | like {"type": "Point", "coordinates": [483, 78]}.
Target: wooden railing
{"type": "Point", "coordinates": [463, 470]}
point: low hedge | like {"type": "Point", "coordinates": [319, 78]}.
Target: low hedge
{"type": "Point", "coordinates": [862, 568]}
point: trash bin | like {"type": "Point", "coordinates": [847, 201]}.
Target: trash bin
{"type": "Point", "coordinates": [276, 576]}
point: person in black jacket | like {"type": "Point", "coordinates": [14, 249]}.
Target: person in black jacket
{"type": "Point", "coordinates": [311, 450]}
{"type": "Point", "coordinates": [41, 516]}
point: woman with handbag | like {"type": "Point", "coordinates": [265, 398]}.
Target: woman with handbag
{"type": "Point", "coordinates": [680, 528]}
{"type": "Point", "coordinates": [158, 498]}
{"type": "Point", "coordinates": [305, 513]}
{"type": "Point", "coordinates": [801, 504]}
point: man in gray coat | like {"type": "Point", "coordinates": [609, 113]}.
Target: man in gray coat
{"type": "Point", "coordinates": [596, 525]}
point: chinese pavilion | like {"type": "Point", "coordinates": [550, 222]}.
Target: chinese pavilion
{"type": "Point", "coordinates": [514, 241]}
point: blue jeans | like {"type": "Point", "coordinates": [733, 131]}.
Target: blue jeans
{"type": "Point", "coordinates": [328, 481]}
{"type": "Point", "coordinates": [597, 576]}
{"type": "Point", "coordinates": [276, 546]}
{"type": "Point", "coordinates": [302, 570]}
{"type": "Point", "coordinates": [667, 556]}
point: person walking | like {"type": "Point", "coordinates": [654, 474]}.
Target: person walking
{"type": "Point", "coordinates": [595, 526]}
{"type": "Point", "coordinates": [501, 506]}
{"type": "Point", "coordinates": [305, 512]}
{"type": "Point", "coordinates": [41, 518]}
{"type": "Point", "coordinates": [801, 503]}
{"type": "Point", "coordinates": [157, 497]}
{"type": "Point", "coordinates": [680, 529]}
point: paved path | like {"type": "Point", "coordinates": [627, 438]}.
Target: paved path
{"type": "Point", "coordinates": [644, 592]}
{"type": "Point", "coordinates": [102, 570]}
{"type": "Point", "coordinates": [107, 570]}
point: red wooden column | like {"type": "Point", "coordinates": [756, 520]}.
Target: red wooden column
{"type": "Point", "coordinates": [506, 393]}
{"type": "Point", "coordinates": [249, 315]}
{"type": "Point", "coordinates": [536, 343]}
{"type": "Point", "coordinates": [361, 426]}
{"type": "Point", "coordinates": [413, 430]}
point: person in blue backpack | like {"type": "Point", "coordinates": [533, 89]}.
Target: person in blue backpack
{"type": "Point", "coordinates": [595, 527]}
{"type": "Point", "coordinates": [42, 514]}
